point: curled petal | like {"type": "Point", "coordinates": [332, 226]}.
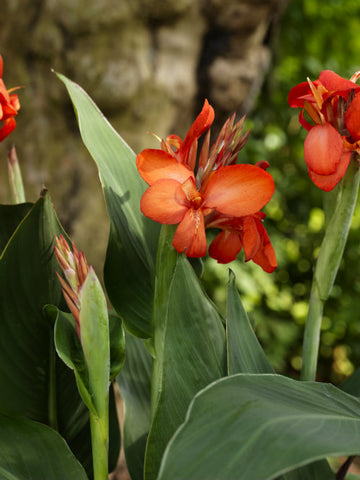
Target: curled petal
{"type": "Point", "coordinates": [328, 182]}
{"type": "Point", "coordinates": [190, 234]}
{"type": "Point", "coordinates": [225, 246]}
{"type": "Point", "coordinates": [352, 118]}
{"type": "Point", "coordinates": [156, 164]}
{"type": "Point", "coordinates": [265, 256]}
{"type": "Point", "coordinates": [323, 148]}
{"type": "Point", "coordinates": [8, 126]}
{"type": "Point", "coordinates": [202, 123]}
{"type": "Point", "coordinates": [165, 202]}
{"type": "Point", "coordinates": [297, 94]}
{"type": "Point", "coordinates": [238, 190]}
{"type": "Point", "coordinates": [334, 83]}
{"type": "Point", "coordinates": [251, 237]}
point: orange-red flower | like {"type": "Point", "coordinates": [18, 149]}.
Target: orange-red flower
{"type": "Point", "coordinates": [333, 105]}
{"type": "Point", "coordinates": [221, 194]}
{"type": "Point", "coordinates": [9, 106]}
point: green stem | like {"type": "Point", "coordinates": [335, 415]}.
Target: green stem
{"type": "Point", "coordinates": [327, 265]}
{"type": "Point", "coordinates": [17, 192]}
{"type": "Point", "coordinates": [99, 441]}
{"type": "Point", "coordinates": [52, 408]}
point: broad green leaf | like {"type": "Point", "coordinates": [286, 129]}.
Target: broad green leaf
{"type": "Point", "coordinates": [191, 354]}
{"type": "Point", "coordinates": [245, 355]}
{"type": "Point", "coordinates": [244, 352]}
{"type": "Point", "coordinates": [133, 237]}
{"type": "Point", "coordinates": [32, 451]}
{"type": "Point", "coordinates": [10, 217]}
{"type": "Point", "coordinates": [352, 384]}
{"type": "Point", "coordinates": [34, 382]}
{"type": "Point", "coordinates": [134, 383]}
{"type": "Point", "coordinates": [261, 426]}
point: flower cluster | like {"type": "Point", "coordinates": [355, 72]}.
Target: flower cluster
{"type": "Point", "coordinates": [75, 268]}
{"type": "Point", "coordinates": [209, 190]}
{"type": "Point", "coordinates": [333, 105]}
{"type": "Point", "coordinates": [9, 106]}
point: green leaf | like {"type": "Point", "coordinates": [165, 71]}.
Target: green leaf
{"type": "Point", "coordinates": [189, 354]}
{"type": "Point", "coordinates": [10, 217]}
{"type": "Point", "coordinates": [245, 354]}
{"type": "Point", "coordinates": [117, 345]}
{"type": "Point", "coordinates": [261, 426]}
{"type": "Point", "coordinates": [32, 451]}
{"type": "Point", "coordinates": [352, 384]}
{"type": "Point", "coordinates": [69, 349]}
{"type": "Point", "coordinates": [134, 383]}
{"type": "Point", "coordinates": [132, 245]}
{"type": "Point", "coordinates": [34, 382]}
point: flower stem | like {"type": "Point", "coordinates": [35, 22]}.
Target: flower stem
{"type": "Point", "coordinates": [327, 265]}
{"type": "Point", "coordinates": [17, 192]}
{"type": "Point", "coordinates": [99, 441]}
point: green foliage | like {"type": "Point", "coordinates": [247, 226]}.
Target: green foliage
{"type": "Point", "coordinates": [266, 425]}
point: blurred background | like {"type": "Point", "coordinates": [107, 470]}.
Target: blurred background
{"type": "Point", "coordinates": [149, 64]}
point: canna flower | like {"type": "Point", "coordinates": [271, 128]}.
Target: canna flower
{"type": "Point", "coordinates": [219, 195]}
{"type": "Point", "coordinates": [333, 105]}
{"type": "Point", "coordinates": [75, 269]}
{"type": "Point", "coordinates": [9, 106]}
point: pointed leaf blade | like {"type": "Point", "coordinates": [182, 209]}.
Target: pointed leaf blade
{"type": "Point", "coordinates": [262, 426]}
{"type": "Point", "coordinates": [133, 237]}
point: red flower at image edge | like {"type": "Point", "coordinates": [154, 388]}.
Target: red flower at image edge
{"type": "Point", "coordinates": [9, 106]}
{"type": "Point", "coordinates": [221, 195]}
{"type": "Point", "coordinates": [333, 104]}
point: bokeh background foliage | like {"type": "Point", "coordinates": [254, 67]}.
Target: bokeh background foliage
{"type": "Point", "coordinates": [149, 65]}
{"type": "Point", "coordinates": [313, 36]}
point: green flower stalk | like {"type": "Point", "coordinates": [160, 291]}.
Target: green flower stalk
{"type": "Point", "coordinates": [17, 192]}
{"type": "Point", "coordinates": [87, 303]}
{"type": "Point", "coordinates": [327, 265]}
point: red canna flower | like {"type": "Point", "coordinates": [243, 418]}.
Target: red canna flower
{"type": "Point", "coordinates": [75, 268]}
{"type": "Point", "coordinates": [333, 105]}
{"type": "Point", "coordinates": [246, 233]}
{"type": "Point", "coordinates": [219, 195]}
{"type": "Point", "coordinates": [9, 106]}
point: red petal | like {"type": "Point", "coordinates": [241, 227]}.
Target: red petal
{"type": "Point", "coordinates": [1, 66]}
{"type": "Point", "coordinates": [200, 125]}
{"type": "Point", "coordinates": [251, 238]}
{"type": "Point", "coordinates": [328, 182]}
{"type": "Point", "coordinates": [190, 234]}
{"type": "Point", "coordinates": [352, 118]}
{"type": "Point", "coordinates": [165, 202]}
{"type": "Point", "coordinates": [334, 83]}
{"type": "Point", "coordinates": [296, 93]}
{"type": "Point", "coordinates": [238, 190]}
{"type": "Point", "coordinates": [225, 247]}
{"type": "Point", "coordinates": [156, 164]}
{"type": "Point", "coordinates": [323, 148]}
{"type": "Point", "coordinates": [8, 126]}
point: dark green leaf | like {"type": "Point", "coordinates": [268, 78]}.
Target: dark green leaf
{"type": "Point", "coordinates": [134, 382]}
{"type": "Point", "coordinates": [245, 354]}
{"type": "Point", "coordinates": [261, 426]}
{"type": "Point", "coordinates": [10, 217]}
{"type": "Point", "coordinates": [32, 451]}
{"type": "Point", "coordinates": [189, 354]}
